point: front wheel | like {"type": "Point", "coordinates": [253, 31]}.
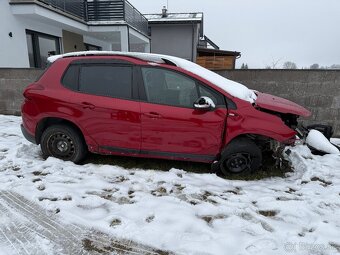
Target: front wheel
{"type": "Point", "coordinates": [240, 155]}
{"type": "Point", "coordinates": [64, 142]}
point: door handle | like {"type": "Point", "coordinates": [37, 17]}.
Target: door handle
{"type": "Point", "coordinates": [153, 115]}
{"type": "Point", "coordinates": [87, 105]}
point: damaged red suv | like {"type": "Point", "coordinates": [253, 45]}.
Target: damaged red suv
{"type": "Point", "coordinates": [157, 106]}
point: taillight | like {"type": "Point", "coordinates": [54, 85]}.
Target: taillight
{"type": "Point", "coordinates": [30, 88]}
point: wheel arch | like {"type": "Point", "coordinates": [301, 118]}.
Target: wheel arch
{"type": "Point", "coordinates": [240, 156]}
{"type": "Point", "coordinates": [261, 136]}
{"type": "Point", "coordinates": [49, 121]}
{"type": "Point", "coordinates": [262, 141]}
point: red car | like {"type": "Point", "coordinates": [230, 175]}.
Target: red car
{"type": "Point", "coordinates": [147, 105]}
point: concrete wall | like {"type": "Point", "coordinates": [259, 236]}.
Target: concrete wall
{"type": "Point", "coordinates": [176, 40]}
{"type": "Point", "coordinates": [318, 91]}
{"type": "Point", "coordinates": [12, 84]}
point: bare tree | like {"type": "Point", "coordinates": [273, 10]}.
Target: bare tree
{"type": "Point", "coordinates": [314, 66]}
{"type": "Point", "coordinates": [289, 65]}
{"type": "Point", "coordinates": [335, 66]}
{"type": "Point", "coordinates": [274, 64]}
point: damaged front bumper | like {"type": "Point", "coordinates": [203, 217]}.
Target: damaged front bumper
{"type": "Point", "coordinates": [324, 133]}
{"type": "Point", "coordinates": [279, 149]}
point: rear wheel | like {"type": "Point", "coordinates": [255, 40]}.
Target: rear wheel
{"type": "Point", "coordinates": [240, 155]}
{"type": "Point", "coordinates": [64, 142]}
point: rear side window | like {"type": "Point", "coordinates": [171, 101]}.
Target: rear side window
{"type": "Point", "coordinates": [70, 79]}
{"type": "Point", "coordinates": [106, 80]}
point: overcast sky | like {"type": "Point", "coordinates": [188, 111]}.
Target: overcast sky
{"type": "Point", "coordinates": [266, 31]}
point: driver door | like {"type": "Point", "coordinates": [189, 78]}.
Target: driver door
{"type": "Point", "coordinates": [171, 127]}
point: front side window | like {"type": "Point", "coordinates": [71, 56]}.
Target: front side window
{"type": "Point", "coordinates": [217, 98]}
{"type": "Point", "coordinates": [169, 88]}
{"type": "Point", "coordinates": [106, 80]}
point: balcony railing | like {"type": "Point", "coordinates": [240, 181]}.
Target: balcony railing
{"type": "Point", "coordinates": [99, 10]}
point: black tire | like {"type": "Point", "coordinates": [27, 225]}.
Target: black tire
{"type": "Point", "coordinates": [63, 142]}
{"type": "Point", "coordinates": [241, 155]}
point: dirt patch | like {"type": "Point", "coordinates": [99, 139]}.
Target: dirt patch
{"type": "Point", "coordinates": [102, 244]}
{"type": "Point", "coordinates": [268, 213]}
{"type": "Point", "coordinates": [40, 173]}
{"type": "Point", "coordinates": [150, 218]}
{"type": "Point", "coordinates": [115, 222]}
{"type": "Point", "coordinates": [15, 168]}
{"type": "Point", "coordinates": [290, 191]}
{"type": "Point", "coordinates": [322, 182]}
{"type": "Point", "coordinates": [336, 246]}
{"type": "Point", "coordinates": [54, 199]}
{"type": "Point", "coordinates": [235, 191]}
{"type": "Point", "coordinates": [209, 219]}
{"type": "Point", "coordinates": [159, 192]}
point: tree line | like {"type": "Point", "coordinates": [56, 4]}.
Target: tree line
{"type": "Point", "coordinates": [291, 65]}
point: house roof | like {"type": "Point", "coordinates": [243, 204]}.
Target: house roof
{"type": "Point", "coordinates": [175, 17]}
{"type": "Point", "coordinates": [217, 52]}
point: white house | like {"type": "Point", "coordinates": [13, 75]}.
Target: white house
{"type": "Point", "coordinates": [32, 30]}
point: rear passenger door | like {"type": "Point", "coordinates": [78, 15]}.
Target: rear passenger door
{"type": "Point", "coordinates": [108, 109]}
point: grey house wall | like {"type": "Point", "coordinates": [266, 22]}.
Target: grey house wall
{"type": "Point", "coordinates": [319, 91]}
{"type": "Point", "coordinates": [175, 40]}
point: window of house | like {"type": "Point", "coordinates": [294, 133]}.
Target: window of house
{"type": "Point", "coordinates": [40, 46]}
{"type": "Point", "coordinates": [168, 87]}
{"type": "Point", "coordinates": [29, 39]}
{"type": "Point", "coordinates": [106, 80]}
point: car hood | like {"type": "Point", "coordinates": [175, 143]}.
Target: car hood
{"type": "Point", "coordinates": [278, 104]}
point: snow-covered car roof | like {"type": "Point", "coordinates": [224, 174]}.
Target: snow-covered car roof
{"type": "Point", "coordinates": [233, 88]}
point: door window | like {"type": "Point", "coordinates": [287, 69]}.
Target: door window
{"type": "Point", "coordinates": [106, 80]}
{"type": "Point", "coordinates": [169, 88]}
{"type": "Point", "coordinates": [217, 98]}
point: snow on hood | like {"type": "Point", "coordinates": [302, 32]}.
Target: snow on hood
{"type": "Point", "coordinates": [233, 88]}
{"type": "Point", "coordinates": [318, 141]}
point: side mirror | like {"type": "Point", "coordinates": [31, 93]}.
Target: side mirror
{"type": "Point", "coordinates": [204, 103]}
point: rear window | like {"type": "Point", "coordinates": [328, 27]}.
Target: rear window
{"type": "Point", "coordinates": [106, 80]}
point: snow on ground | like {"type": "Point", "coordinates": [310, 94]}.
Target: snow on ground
{"type": "Point", "coordinates": [182, 212]}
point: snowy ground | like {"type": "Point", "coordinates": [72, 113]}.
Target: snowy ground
{"type": "Point", "coordinates": [69, 209]}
